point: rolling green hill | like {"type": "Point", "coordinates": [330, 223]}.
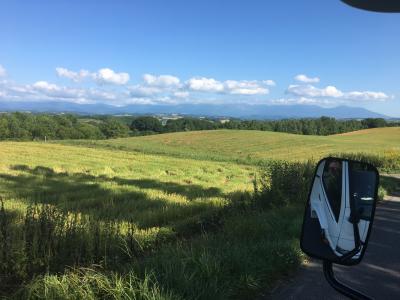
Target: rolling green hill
{"type": "Point", "coordinates": [252, 146]}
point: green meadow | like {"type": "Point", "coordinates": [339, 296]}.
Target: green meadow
{"type": "Point", "coordinates": [171, 216]}
{"type": "Point", "coordinates": [250, 146]}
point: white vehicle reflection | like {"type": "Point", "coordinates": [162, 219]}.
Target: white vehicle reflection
{"type": "Point", "coordinates": [337, 186]}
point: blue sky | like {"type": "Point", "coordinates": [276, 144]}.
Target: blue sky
{"type": "Point", "coordinates": [272, 52]}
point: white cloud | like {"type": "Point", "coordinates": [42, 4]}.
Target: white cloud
{"type": "Point", "coordinates": [300, 100]}
{"type": "Point", "coordinates": [107, 75]}
{"type": "Point", "coordinates": [367, 96]}
{"type": "Point", "coordinates": [102, 76]}
{"type": "Point", "coordinates": [204, 84]}
{"type": "Point", "coordinates": [45, 91]}
{"type": "Point", "coordinates": [332, 92]}
{"type": "Point", "coordinates": [144, 91]}
{"type": "Point", "coordinates": [45, 86]}
{"type": "Point", "coordinates": [75, 76]}
{"type": "Point", "coordinates": [3, 72]}
{"type": "Point", "coordinates": [312, 91]}
{"type": "Point", "coordinates": [234, 87]}
{"type": "Point", "coordinates": [304, 78]}
{"type": "Point", "coordinates": [269, 82]}
{"type": "Point", "coordinates": [245, 87]}
{"type": "Point", "coordinates": [169, 89]}
{"type": "Point", "coordinates": [161, 81]}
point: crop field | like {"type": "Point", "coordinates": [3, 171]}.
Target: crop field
{"type": "Point", "coordinates": [252, 146]}
{"type": "Point", "coordinates": [172, 216]}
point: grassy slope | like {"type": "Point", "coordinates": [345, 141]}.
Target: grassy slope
{"type": "Point", "coordinates": [252, 146]}
{"type": "Point", "coordinates": [164, 193]}
{"type": "Point", "coordinates": [162, 196]}
{"type": "Point", "coordinates": [148, 187]}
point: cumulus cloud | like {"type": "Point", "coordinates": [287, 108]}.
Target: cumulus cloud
{"type": "Point", "coordinates": [367, 96]}
{"type": "Point", "coordinates": [234, 87]}
{"type": "Point", "coordinates": [102, 76]}
{"type": "Point", "coordinates": [204, 84]}
{"type": "Point", "coordinates": [304, 78]}
{"type": "Point", "coordinates": [312, 91]}
{"type": "Point", "coordinates": [74, 76]}
{"type": "Point", "coordinates": [3, 72]}
{"type": "Point", "coordinates": [45, 91]}
{"type": "Point", "coordinates": [245, 87]}
{"type": "Point", "coordinates": [107, 75]}
{"type": "Point", "coordinates": [45, 86]}
{"type": "Point", "coordinates": [113, 89]}
{"type": "Point", "coordinates": [333, 92]}
{"type": "Point", "coordinates": [161, 80]}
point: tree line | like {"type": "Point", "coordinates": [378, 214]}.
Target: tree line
{"type": "Point", "coordinates": [27, 126]}
{"type": "Point", "coordinates": [318, 126]}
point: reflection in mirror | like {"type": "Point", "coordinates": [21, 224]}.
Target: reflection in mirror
{"type": "Point", "coordinates": [340, 210]}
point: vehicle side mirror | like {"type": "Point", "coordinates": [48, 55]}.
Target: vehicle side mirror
{"type": "Point", "coordinates": [340, 211]}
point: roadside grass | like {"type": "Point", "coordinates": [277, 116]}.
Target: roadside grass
{"type": "Point", "coordinates": [248, 254]}
{"type": "Point", "coordinates": [391, 185]}
{"type": "Point", "coordinates": [91, 284]}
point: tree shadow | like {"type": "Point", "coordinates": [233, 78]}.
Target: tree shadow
{"type": "Point", "coordinates": [189, 191]}
{"type": "Point", "coordinates": [99, 197]}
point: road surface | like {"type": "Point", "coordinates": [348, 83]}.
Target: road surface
{"type": "Point", "coordinates": [378, 275]}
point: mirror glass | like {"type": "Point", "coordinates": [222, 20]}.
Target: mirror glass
{"type": "Point", "coordinates": [340, 210]}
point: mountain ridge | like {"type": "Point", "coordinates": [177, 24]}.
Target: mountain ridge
{"type": "Point", "coordinates": [245, 111]}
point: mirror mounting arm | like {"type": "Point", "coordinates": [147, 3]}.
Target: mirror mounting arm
{"type": "Point", "coordinates": [340, 287]}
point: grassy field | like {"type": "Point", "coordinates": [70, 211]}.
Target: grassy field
{"type": "Point", "coordinates": [252, 146]}
{"type": "Point", "coordinates": [174, 210]}
{"type": "Point", "coordinates": [171, 216]}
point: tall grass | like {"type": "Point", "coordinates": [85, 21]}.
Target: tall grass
{"type": "Point", "coordinates": [91, 284]}
{"type": "Point", "coordinates": [282, 183]}
{"type": "Point", "coordinates": [250, 252]}
{"type": "Point", "coordinates": [387, 161]}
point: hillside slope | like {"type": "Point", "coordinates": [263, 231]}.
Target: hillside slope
{"type": "Point", "coordinates": [252, 146]}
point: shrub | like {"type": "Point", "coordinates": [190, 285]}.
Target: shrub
{"type": "Point", "coordinates": [281, 183]}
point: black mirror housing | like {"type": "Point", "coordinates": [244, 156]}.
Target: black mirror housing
{"type": "Point", "coordinates": [340, 210]}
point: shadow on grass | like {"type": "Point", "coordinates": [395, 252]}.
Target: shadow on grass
{"type": "Point", "coordinates": [107, 198]}
{"type": "Point", "coordinates": [47, 238]}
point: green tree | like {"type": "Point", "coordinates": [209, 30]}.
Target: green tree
{"type": "Point", "coordinates": [89, 131]}
{"type": "Point", "coordinates": [4, 132]}
{"type": "Point", "coordinates": [146, 124]}
{"type": "Point", "coordinates": [112, 128]}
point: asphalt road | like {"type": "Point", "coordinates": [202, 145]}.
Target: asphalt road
{"type": "Point", "coordinates": [377, 276]}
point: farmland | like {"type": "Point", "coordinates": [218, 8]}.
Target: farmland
{"type": "Point", "coordinates": [171, 216]}
{"type": "Point", "coordinates": [252, 146]}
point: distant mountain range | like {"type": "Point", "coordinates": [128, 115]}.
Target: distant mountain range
{"type": "Point", "coordinates": [245, 111]}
